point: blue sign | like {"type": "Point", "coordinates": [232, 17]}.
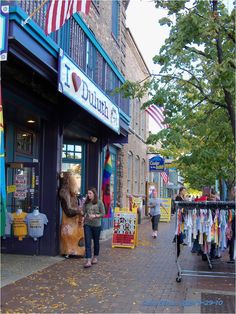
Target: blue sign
{"type": "Point", "coordinates": [156, 163]}
{"type": "Point", "coordinates": [4, 20]}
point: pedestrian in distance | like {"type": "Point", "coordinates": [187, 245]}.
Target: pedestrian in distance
{"type": "Point", "coordinates": [182, 194]}
{"type": "Point", "coordinates": [155, 205]}
{"type": "Point", "coordinates": [93, 212]}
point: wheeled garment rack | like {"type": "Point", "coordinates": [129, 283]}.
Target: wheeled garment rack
{"type": "Point", "coordinates": [185, 211]}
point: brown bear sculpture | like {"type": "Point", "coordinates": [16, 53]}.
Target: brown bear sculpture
{"type": "Point", "coordinates": [71, 231]}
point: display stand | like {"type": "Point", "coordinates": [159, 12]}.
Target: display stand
{"type": "Point", "coordinates": [188, 206]}
{"type": "Point", "coordinates": [166, 213]}
{"type": "Point", "coordinates": [125, 228]}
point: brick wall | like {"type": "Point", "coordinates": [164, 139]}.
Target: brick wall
{"type": "Point", "coordinates": [100, 22]}
{"type": "Point", "coordinates": [136, 70]}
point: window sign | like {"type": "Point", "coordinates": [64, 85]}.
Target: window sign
{"type": "Point", "coordinates": [77, 86]}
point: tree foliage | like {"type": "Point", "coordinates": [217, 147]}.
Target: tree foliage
{"type": "Point", "coordinates": [196, 89]}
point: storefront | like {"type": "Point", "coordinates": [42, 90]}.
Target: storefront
{"type": "Point", "coordinates": [49, 129]}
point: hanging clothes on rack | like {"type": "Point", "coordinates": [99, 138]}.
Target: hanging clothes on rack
{"type": "Point", "coordinates": [210, 223]}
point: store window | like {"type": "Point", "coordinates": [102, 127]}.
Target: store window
{"type": "Point", "coordinates": [22, 181]}
{"type": "Point", "coordinates": [73, 159]}
{"type": "Point", "coordinates": [24, 142]}
{"type": "Point", "coordinates": [113, 155]}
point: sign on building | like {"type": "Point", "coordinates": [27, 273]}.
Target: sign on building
{"type": "Point", "coordinates": [75, 84]}
{"type": "Point", "coordinates": [156, 163]}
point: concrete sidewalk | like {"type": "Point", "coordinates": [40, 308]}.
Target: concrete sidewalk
{"type": "Point", "coordinates": [140, 280]}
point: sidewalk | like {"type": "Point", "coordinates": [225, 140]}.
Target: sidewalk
{"type": "Point", "coordinates": [140, 280]}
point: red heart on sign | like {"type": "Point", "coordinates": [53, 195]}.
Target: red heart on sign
{"type": "Point", "coordinates": [76, 81]}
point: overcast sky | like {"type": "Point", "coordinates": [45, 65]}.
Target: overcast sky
{"type": "Point", "coordinates": [142, 20]}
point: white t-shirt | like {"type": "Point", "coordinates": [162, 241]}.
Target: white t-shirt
{"type": "Point", "coordinates": [36, 224]}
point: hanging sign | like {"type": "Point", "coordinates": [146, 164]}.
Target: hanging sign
{"type": "Point", "coordinates": [156, 163]}
{"type": "Point", "coordinates": [4, 22]}
{"type": "Point", "coordinates": [74, 83]}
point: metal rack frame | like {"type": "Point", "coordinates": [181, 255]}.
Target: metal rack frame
{"type": "Point", "coordinates": [207, 205]}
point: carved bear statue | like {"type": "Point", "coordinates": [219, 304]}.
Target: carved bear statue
{"type": "Point", "coordinates": [71, 231]}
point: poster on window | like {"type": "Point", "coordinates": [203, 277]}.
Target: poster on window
{"type": "Point", "coordinates": [124, 230]}
{"type": "Point", "coordinates": [21, 187]}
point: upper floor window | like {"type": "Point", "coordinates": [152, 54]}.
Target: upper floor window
{"type": "Point", "coordinates": [96, 3]}
{"type": "Point", "coordinates": [130, 173]}
{"type": "Point", "coordinates": [136, 174]}
{"type": "Point", "coordinates": [115, 18]}
{"type": "Point", "coordinates": [90, 59]}
{"type": "Point", "coordinates": [143, 176]}
{"type": "Point", "coordinates": [143, 124]}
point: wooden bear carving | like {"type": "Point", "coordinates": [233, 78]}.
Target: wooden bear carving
{"type": "Point", "coordinates": [71, 231]}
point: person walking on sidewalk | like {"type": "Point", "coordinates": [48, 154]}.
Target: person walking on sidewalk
{"type": "Point", "coordinates": [93, 212]}
{"type": "Point", "coordinates": [155, 205]}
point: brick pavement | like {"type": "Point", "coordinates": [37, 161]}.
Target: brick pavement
{"type": "Point", "coordinates": [140, 280]}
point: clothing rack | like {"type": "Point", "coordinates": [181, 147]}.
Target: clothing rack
{"type": "Point", "coordinates": [209, 205]}
{"type": "Point", "coordinates": [206, 204]}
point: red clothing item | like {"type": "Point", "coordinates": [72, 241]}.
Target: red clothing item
{"type": "Point", "coordinates": [201, 199]}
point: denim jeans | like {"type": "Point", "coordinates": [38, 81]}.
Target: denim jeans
{"type": "Point", "coordinates": [155, 221]}
{"type": "Point", "coordinates": [89, 234]}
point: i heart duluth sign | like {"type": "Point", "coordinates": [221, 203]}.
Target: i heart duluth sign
{"type": "Point", "coordinates": [75, 84]}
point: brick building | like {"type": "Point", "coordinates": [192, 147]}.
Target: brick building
{"type": "Point", "coordinates": [133, 155]}
{"type": "Point", "coordinates": [50, 125]}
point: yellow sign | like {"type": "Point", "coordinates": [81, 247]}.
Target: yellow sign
{"type": "Point", "coordinates": [11, 188]}
{"type": "Point", "coordinates": [166, 213]}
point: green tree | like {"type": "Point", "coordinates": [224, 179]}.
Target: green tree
{"type": "Point", "coordinates": [199, 56]}
{"type": "Point", "coordinates": [196, 89]}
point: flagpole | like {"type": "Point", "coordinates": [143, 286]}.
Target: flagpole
{"type": "Point", "coordinates": [33, 13]}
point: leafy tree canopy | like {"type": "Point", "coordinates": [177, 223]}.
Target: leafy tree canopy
{"type": "Point", "coordinates": [196, 89]}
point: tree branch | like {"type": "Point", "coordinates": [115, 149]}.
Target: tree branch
{"type": "Point", "coordinates": [199, 52]}
{"type": "Point", "coordinates": [196, 86]}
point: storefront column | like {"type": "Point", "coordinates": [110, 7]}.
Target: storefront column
{"type": "Point", "coordinates": [50, 164]}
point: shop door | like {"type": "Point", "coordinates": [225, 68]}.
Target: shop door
{"type": "Point", "coordinates": [22, 182]}
{"type": "Point", "coordinates": [73, 159]}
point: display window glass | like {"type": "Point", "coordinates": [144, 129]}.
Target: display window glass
{"type": "Point", "coordinates": [73, 159]}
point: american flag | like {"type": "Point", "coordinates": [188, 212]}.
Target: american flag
{"type": "Point", "coordinates": [157, 115]}
{"type": "Point", "coordinates": [59, 11]}
{"type": "Point", "coordinates": [165, 176]}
